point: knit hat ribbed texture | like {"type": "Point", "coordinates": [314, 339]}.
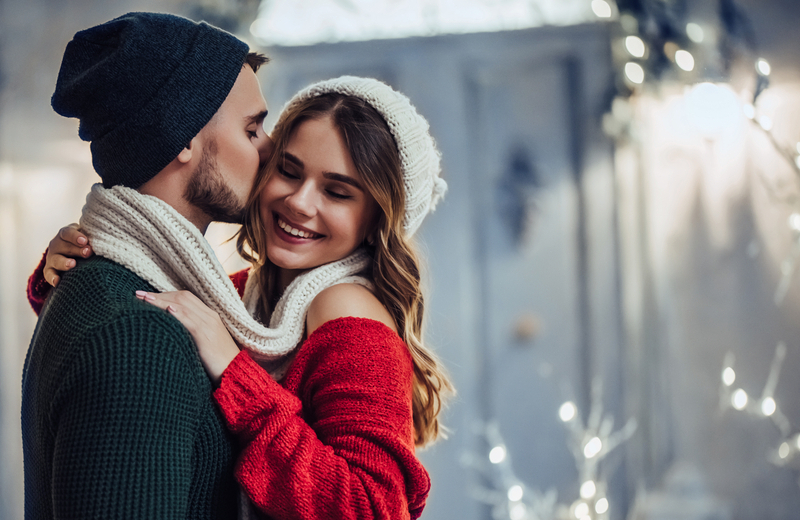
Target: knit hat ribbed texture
{"type": "Point", "coordinates": [143, 85]}
{"type": "Point", "coordinates": [418, 154]}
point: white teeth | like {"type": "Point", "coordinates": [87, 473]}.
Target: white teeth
{"type": "Point", "coordinates": [292, 231]}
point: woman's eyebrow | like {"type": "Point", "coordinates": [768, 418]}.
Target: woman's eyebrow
{"type": "Point", "coordinates": [294, 159]}
{"type": "Point", "coordinates": [333, 176]}
{"type": "Point", "coordinates": [343, 178]}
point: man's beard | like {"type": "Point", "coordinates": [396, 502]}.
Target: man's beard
{"type": "Point", "coordinates": [208, 192]}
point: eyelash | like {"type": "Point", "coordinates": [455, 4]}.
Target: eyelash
{"type": "Point", "coordinates": [286, 174]}
{"type": "Point", "coordinates": [252, 134]}
{"type": "Point", "coordinates": [339, 196]}
{"type": "Point", "coordinates": [335, 195]}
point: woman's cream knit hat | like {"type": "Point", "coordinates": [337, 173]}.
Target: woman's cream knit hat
{"type": "Point", "coordinates": [418, 153]}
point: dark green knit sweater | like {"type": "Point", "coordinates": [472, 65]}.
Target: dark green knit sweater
{"type": "Point", "coordinates": [117, 416]}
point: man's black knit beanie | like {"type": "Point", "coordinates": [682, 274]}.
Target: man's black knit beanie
{"type": "Point", "coordinates": [143, 85]}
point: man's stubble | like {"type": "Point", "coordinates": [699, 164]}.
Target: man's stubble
{"type": "Point", "coordinates": [208, 191]}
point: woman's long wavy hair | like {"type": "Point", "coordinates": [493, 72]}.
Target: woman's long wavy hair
{"type": "Point", "coordinates": [395, 268]}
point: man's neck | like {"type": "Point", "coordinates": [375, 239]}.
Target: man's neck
{"type": "Point", "coordinates": [170, 189]}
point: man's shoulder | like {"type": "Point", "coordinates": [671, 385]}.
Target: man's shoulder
{"type": "Point", "coordinates": [95, 328]}
{"type": "Point", "coordinates": [96, 283]}
{"type": "Point", "coordinates": [99, 294]}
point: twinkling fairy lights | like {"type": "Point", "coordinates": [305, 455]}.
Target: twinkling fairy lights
{"type": "Point", "coordinates": [733, 396]}
{"type": "Point", "coordinates": [590, 444]}
{"type": "Point", "coordinates": [507, 496]}
{"type": "Point", "coordinates": [650, 44]}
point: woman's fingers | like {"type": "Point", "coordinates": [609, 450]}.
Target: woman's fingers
{"type": "Point", "coordinates": [62, 251]}
{"type": "Point", "coordinates": [71, 242]}
{"type": "Point", "coordinates": [54, 265]}
{"type": "Point", "coordinates": [72, 234]}
{"type": "Point", "coordinates": [214, 343]}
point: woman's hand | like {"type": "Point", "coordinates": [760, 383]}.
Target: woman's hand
{"type": "Point", "coordinates": [215, 344]}
{"type": "Point", "coordinates": [67, 245]}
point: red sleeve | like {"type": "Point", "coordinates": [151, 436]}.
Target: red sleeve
{"type": "Point", "coordinates": [38, 288]}
{"type": "Point", "coordinates": [239, 279]}
{"type": "Point", "coordinates": [343, 446]}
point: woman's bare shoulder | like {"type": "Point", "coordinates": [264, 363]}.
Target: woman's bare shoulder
{"type": "Point", "coordinates": [347, 299]}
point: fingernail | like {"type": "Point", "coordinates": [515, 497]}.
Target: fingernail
{"type": "Point", "coordinates": [141, 294]}
{"type": "Point", "coordinates": [85, 251]}
{"type": "Point", "coordinates": [81, 241]}
{"type": "Point", "coordinates": [170, 309]}
{"type": "Point", "coordinates": [70, 263]}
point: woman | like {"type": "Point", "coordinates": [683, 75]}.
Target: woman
{"type": "Point", "coordinates": [353, 174]}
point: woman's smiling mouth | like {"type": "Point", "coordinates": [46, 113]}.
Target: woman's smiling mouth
{"type": "Point", "coordinates": [295, 232]}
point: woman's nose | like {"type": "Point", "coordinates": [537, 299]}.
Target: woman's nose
{"type": "Point", "coordinates": [301, 201]}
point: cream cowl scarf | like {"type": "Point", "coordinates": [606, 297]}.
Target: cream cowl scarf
{"type": "Point", "coordinates": [147, 236]}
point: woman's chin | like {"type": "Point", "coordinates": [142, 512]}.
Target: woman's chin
{"type": "Point", "coordinates": [289, 262]}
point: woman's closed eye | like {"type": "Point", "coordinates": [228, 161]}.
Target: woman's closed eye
{"type": "Point", "coordinates": [338, 194]}
{"type": "Point", "coordinates": [286, 173]}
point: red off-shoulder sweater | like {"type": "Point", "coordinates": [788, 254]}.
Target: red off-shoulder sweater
{"type": "Point", "coordinates": [334, 439]}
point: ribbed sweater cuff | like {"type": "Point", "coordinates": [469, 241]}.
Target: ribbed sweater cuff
{"type": "Point", "coordinates": [38, 288]}
{"type": "Point", "coordinates": [247, 391]}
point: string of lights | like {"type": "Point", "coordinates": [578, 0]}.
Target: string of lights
{"type": "Point", "coordinates": [665, 47]}
{"type": "Point", "coordinates": [646, 57]}
{"type": "Point", "coordinates": [589, 443]}
{"type": "Point", "coordinates": [787, 454]}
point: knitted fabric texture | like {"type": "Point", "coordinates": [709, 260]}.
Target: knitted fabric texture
{"type": "Point", "coordinates": [117, 417]}
{"type": "Point", "coordinates": [335, 439]}
{"type": "Point", "coordinates": [143, 85]}
{"type": "Point", "coordinates": [418, 154]}
{"type": "Point", "coordinates": [149, 237]}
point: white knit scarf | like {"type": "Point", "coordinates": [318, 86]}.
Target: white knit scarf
{"type": "Point", "coordinates": [147, 236]}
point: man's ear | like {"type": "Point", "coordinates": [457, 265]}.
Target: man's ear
{"type": "Point", "coordinates": [186, 154]}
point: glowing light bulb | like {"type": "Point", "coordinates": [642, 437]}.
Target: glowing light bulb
{"type": "Point", "coordinates": [797, 161]}
{"type": "Point", "coordinates": [768, 406]}
{"type": "Point", "coordinates": [684, 60]}
{"type": "Point", "coordinates": [601, 506]}
{"type": "Point", "coordinates": [794, 221]}
{"type": "Point", "coordinates": [749, 111]}
{"type": "Point", "coordinates": [739, 399]}
{"type": "Point", "coordinates": [581, 510]}
{"type": "Point", "coordinates": [515, 493]}
{"type": "Point", "coordinates": [712, 109]}
{"type": "Point", "coordinates": [765, 122]}
{"type": "Point", "coordinates": [518, 511]}
{"type": "Point", "coordinates": [635, 46]}
{"type": "Point", "coordinates": [694, 32]}
{"type": "Point", "coordinates": [592, 448]}
{"type": "Point", "coordinates": [567, 411]}
{"type": "Point", "coordinates": [728, 376]}
{"type": "Point", "coordinates": [588, 489]}
{"type": "Point", "coordinates": [763, 68]}
{"type": "Point", "coordinates": [601, 8]}
{"type": "Point", "coordinates": [497, 454]}
{"type": "Point", "coordinates": [784, 450]}
{"type": "Point", "coordinates": [634, 72]}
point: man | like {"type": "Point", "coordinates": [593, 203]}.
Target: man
{"type": "Point", "coordinates": [117, 417]}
